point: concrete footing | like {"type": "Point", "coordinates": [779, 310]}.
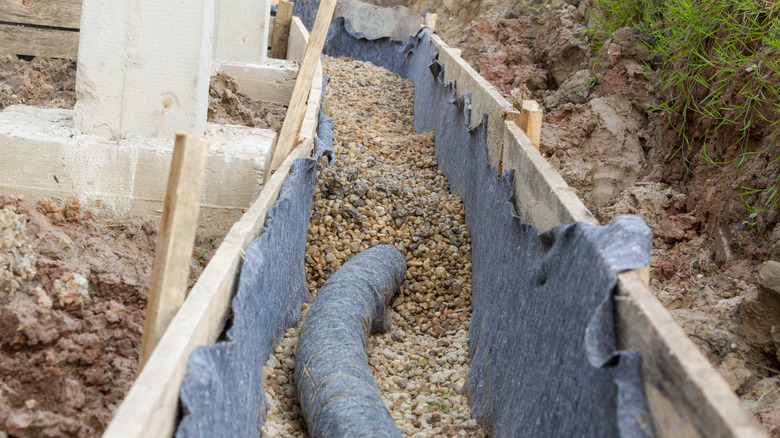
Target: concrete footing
{"type": "Point", "coordinates": [272, 81]}
{"type": "Point", "coordinates": [45, 156]}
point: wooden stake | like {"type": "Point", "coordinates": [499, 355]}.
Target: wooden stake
{"type": "Point", "coordinates": [281, 30]}
{"type": "Point", "coordinates": [531, 121]}
{"type": "Point", "coordinates": [430, 20]}
{"type": "Point", "coordinates": [288, 136]}
{"type": "Point", "coordinates": [644, 275]}
{"type": "Point", "coordinates": [176, 239]}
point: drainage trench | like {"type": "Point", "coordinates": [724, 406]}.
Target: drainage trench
{"type": "Point", "coordinates": [533, 345]}
{"type": "Point", "coordinates": [383, 187]}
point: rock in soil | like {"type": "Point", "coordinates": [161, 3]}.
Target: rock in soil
{"type": "Point", "coordinates": [383, 188]}
{"type": "Point", "coordinates": [73, 292]}
{"type": "Point", "coordinates": [40, 82]}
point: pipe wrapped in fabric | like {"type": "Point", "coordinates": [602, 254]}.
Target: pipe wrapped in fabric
{"type": "Point", "coordinates": [337, 392]}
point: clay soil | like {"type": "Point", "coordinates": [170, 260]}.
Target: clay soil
{"type": "Point", "coordinates": [73, 289]}
{"type": "Point", "coordinates": [73, 293]}
{"type": "Point", "coordinates": [603, 137]}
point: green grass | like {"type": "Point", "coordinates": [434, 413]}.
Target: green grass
{"type": "Point", "coordinates": [719, 63]}
{"type": "Point", "coordinates": [202, 255]}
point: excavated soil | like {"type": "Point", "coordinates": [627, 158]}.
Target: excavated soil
{"type": "Point", "coordinates": [40, 82]}
{"type": "Point", "coordinates": [228, 106]}
{"type": "Point", "coordinates": [73, 293]}
{"type": "Point", "coordinates": [383, 188]}
{"type": "Point", "coordinates": [73, 290]}
{"type": "Point", "coordinates": [51, 83]}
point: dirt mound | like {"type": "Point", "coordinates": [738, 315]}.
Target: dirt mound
{"type": "Point", "coordinates": [72, 298]}
{"type": "Point", "coordinates": [74, 293]}
{"type": "Point", "coordinates": [39, 82]}
{"type": "Point", "coordinates": [228, 106]}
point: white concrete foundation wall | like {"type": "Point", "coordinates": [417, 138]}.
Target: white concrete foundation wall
{"type": "Point", "coordinates": [143, 67]}
{"type": "Point", "coordinates": [241, 30]}
{"type": "Point", "coordinates": [270, 82]}
{"type": "Point", "coordinates": [44, 156]}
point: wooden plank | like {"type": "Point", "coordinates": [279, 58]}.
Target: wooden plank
{"type": "Point", "coordinates": [56, 13]}
{"type": "Point", "coordinates": [288, 136]}
{"type": "Point", "coordinates": [531, 121]}
{"type": "Point", "coordinates": [297, 41]}
{"type": "Point", "coordinates": [153, 402]}
{"type": "Point", "coordinates": [271, 25]}
{"type": "Point", "coordinates": [281, 30]}
{"type": "Point", "coordinates": [685, 395]}
{"type": "Point", "coordinates": [175, 240]}
{"type": "Point", "coordinates": [33, 41]}
{"type": "Point", "coordinates": [430, 20]}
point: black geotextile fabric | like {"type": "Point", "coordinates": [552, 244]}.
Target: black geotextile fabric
{"type": "Point", "coordinates": [542, 341]}
{"type": "Point", "coordinates": [222, 392]}
{"type": "Point", "coordinates": [336, 389]}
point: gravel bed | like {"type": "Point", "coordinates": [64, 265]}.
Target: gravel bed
{"type": "Point", "coordinates": [383, 187]}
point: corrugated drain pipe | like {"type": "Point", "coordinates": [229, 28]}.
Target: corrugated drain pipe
{"type": "Point", "coordinates": [337, 392]}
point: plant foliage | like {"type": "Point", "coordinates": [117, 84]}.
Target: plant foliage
{"type": "Point", "coordinates": [719, 62]}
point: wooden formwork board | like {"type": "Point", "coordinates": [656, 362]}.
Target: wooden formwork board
{"type": "Point", "coordinates": [485, 99]}
{"type": "Point", "coordinates": [50, 27]}
{"type": "Point", "coordinates": [297, 40]}
{"type": "Point", "coordinates": [281, 30]}
{"type": "Point", "coordinates": [293, 119]}
{"type": "Point", "coordinates": [34, 41]}
{"type": "Point", "coordinates": [52, 13]}
{"type": "Point", "coordinates": [152, 405]}
{"type": "Point", "coordinates": [686, 396]}
{"type": "Point", "coordinates": [40, 28]}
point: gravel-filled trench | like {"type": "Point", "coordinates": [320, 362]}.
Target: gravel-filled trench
{"type": "Point", "coordinates": [383, 187]}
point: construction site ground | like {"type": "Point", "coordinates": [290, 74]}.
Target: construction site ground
{"type": "Point", "coordinates": [73, 348]}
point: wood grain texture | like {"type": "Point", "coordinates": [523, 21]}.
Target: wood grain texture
{"type": "Point", "coordinates": [281, 30]}
{"type": "Point", "coordinates": [33, 41]}
{"type": "Point", "coordinates": [430, 20]}
{"type": "Point", "coordinates": [288, 136]}
{"type": "Point", "coordinates": [56, 13]}
{"type": "Point", "coordinates": [175, 239]}
{"type": "Point", "coordinates": [685, 395]}
{"type": "Point", "coordinates": [531, 121]}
